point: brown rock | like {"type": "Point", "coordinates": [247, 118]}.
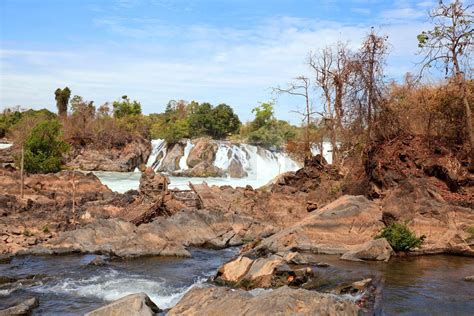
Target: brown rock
{"type": "Point", "coordinates": [281, 301]}
{"type": "Point", "coordinates": [131, 305]}
{"type": "Point", "coordinates": [378, 249]}
{"type": "Point", "coordinates": [204, 150]}
{"type": "Point", "coordinates": [338, 227]}
{"type": "Point", "coordinates": [234, 271]}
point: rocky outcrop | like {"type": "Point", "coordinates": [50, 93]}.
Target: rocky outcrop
{"type": "Point", "coordinates": [131, 156]}
{"type": "Point", "coordinates": [445, 226]}
{"type": "Point", "coordinates": [281, 301]}
{"type": "Point", "coordinates": [131, 305]}
{"type": "Point", "coordinates": [47, 206]}
{"type": "Point", "coordinates": [24, 308]}
{"type": "Point", "coordinates": [164, 236]}
{"type": "Point", "coordinates": [337, 228]}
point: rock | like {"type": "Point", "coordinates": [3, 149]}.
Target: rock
{"type": "Point", "coordinates": [131, 305]}
{"type": "Point", "coordinates": [417, 202]}
{"type": "Point", "coordinates": [281, 301]}
{"type": "Point", "coordinates": [469, 278]}
{"type": "Point", "coordinates": [235, 270]}
{"type": "Point", "coordinates": [173, 155]}
{"type": "Point", "coordinates": [124, 159]}
{"type": "Point", "coordinates": [204, 150]}
{"type": "Point", "coordinates": [262, 271]}
{"type": "Point", "coordinates": [152, 184]}
{"type": "Point", "coordinates": [97, 261]}
{"type": "Point", "coordinates": [203, 169]}
{"type": "Point", "coordinates": [23, 308]}
{"type": "Point", "coordinates": [162, 237]}
{"type": "Point", "coordinates": [236, 170]}
{"type": "Point", "coordinates": [337, 228]}
{"type": "Point", "coordinates": [378, 250]}
{"type": "Point", "coordinates": [362, 284]}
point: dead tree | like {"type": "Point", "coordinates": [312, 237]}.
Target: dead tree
{"type": "Point", "coordinates": [300, 87]}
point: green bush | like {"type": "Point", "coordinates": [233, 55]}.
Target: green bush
{"type": "Point", "coordinates": [400, 237]}
{"type": "Point", "coordinates": [44, 148]}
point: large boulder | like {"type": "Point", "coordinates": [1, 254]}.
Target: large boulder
{"type": "Point", "coordinates": [235, 169]}
{"type": "Point", "coordinates": [235, 270]}
{"type": "Point", "coordinates": [131, 305]}
{"type": "Point", "coordinates": [337, 228]}
{"type": "Point", "coordinates": [204, 150]}
{"type": "Point", "coordinates": [281, 301]}
{"type": "Point", "coordinates": [378, 250]}
{"type": "Point", "coordinates": [173, 155]}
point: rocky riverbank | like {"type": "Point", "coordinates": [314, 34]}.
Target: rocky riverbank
{"type": "Point", "coordinates": [281, 227]}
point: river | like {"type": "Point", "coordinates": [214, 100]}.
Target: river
{"type": "Point", "coordinates": [66, 285]}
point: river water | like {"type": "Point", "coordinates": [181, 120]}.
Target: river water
{"type": "Point", "coordinates": [66, 285]}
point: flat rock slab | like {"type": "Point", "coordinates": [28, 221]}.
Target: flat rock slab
{"type": "Point", "coordinates": [282, 301]}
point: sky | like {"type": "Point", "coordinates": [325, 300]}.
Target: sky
{"type": "Point", "coordinates": [217, 51]}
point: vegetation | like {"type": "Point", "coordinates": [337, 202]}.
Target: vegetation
{"type": "Point", "coordinates": [265, 130]}
{"type": "Point", "coordinates": [125, 107]}
{"type": "Point", "coordinates": [43, 148]}
{"type": "Point", "coordinates": [182, 119]}
{"type": "Point", "coordinates": [400, 237]}
{"type": "Point", "coordinates": [62, 99]}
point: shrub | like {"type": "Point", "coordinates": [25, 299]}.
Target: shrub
{"type": "Point", "coordinates": [400, 237]}
{"type": "Point", "coordinates": [44, 148]}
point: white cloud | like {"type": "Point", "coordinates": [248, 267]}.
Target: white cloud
{"type": "Point", "coordinates": [232, 65]}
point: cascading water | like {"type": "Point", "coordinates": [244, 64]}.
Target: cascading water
{"type": "Point", "coordinates": [257, 162]}
{"type": "Point", "coordinates": [158, 146]}
{"type": "Point", "coordinates": [183, 165]}
{"type": "Point", "coordinates": [327, 151]}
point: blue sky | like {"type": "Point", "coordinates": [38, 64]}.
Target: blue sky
{"type": "Point", "coordinates": [230, 51]}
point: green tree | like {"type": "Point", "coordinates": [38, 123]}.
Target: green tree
{"type": "Point", "coordinates": [263, 115]}
{"type": "Point", "coordinates": [224, 121]}
{"type": "Point", "coordinates": [125, 107]}
{"type": "Point", "coordinates": [44, 148]}
{"type": "Point", "coordinates": [200, 119]}
{"type": "Point", "coordinates": [62, 99]}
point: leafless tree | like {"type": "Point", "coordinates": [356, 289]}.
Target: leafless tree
{"type": "Point", "coordinates": [369, 78]}
{"type": "Point", "coordinates": [449, 45]}
{"type": "Point", "coordinates": [332, 68]}
{"type": "Point", "coordinates": [300, 87]}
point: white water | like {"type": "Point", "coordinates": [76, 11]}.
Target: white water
{"type": "Point", "coordinates": [260, 164]}
{"type": "Point", "coordinates": [183, 165]}
{"type": "Point", "coordinates": [157, 145]}
{"type": "Point", "coordinates": [5, 146]}
{"type": "Point", "coordinates": [327, 151]}
{"type": "Point", "coordinates": [112, 285]}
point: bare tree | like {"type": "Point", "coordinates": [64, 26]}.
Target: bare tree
{"type": "Point", "coordinates": [449, 45]}
{"type": "Point", "coordinates": [332, 67]}
{"type": "Point", "coordinates": [300, 87]}
{"type": "Point", "coordinates": [369, 78]}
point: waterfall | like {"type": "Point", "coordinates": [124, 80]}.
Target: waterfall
{"type": "Point", "coordinates": [327, 151]}
{"type": "Point", "coordinates": [183, 165]}
{"type": "Point", "coordinates": [256, 162]}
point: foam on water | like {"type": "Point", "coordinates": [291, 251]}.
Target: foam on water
{"type": "Point", "coordinates": [112, 285]}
